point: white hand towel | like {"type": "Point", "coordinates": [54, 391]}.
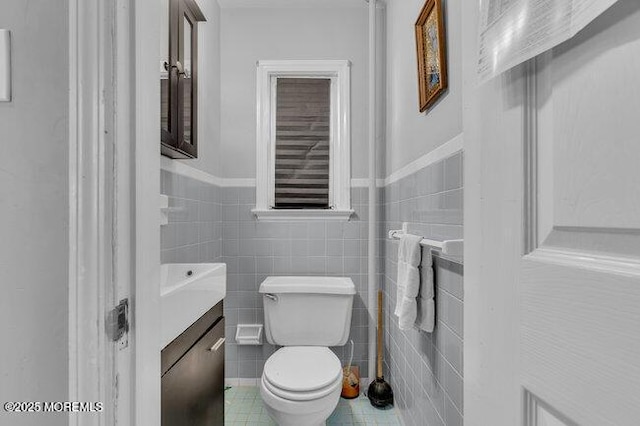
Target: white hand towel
{"type": "Point", "coordinates": [410, 250]}
{"type": "Point", "coordinates": [426, 305]}
{"type": "Point", "coordinates": [426, 314]}
{"type": "Point", "coordinates": [408, 313]}
{"type": "Point", "coordinates": [408, 281]}
{"type": "Point", "coordinates": [409, 255]}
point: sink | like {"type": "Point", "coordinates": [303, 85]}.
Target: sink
{"type": "Point", "coordinates": [188, 291]}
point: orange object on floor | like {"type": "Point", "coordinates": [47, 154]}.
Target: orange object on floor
{"type": "Point", "coordinates": [350, 382]}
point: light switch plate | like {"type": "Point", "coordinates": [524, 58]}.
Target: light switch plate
{"type": "Point", "coordinates": [5, 65]}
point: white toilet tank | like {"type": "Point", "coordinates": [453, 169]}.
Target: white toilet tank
{"type": "Point", "coordinates": [307, 311]}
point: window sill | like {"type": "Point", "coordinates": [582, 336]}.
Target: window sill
{"type": "Point", "coordinates": [275, 215]}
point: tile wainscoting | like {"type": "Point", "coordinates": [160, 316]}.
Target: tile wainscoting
{"type": "Point", "coordinates": [425, 369]}
{"type": "Point", "coordinates": [208, 223]}
{"type": "Point", "coordinates": [194, 231]}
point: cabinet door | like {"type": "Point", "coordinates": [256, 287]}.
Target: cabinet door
{"type": "Point", "coordinates": [178, 78]}
{"type": "Point", "coordinates": [187, 81]}
{"type": "Point", "coordinates": [169, 74]}
{"type": "Point", "coordinates": [193, 389]}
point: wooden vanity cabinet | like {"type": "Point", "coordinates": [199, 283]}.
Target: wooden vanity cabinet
{"type": "Point", "coordinates": [193, 374]}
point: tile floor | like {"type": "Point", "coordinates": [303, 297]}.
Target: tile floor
{"type": "Point", "coordinates": [243, 406]}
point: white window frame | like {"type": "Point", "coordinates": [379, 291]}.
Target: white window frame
{"type": "Point", "coordinates": [338, 71]}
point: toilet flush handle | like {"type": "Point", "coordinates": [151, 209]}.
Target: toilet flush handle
{"type": "Point", "coordinates": [271, 296]}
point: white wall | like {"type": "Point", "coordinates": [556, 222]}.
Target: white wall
{"type": "Point", "coordinates": [411, 134]}
{"type": "Point", "coordinates": [252, 34]}
{"type": "Point", "coordinates": [34, 210]}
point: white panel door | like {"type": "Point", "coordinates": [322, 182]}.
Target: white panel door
{"type": "Point", "coordinates": [580, 319]}
{"type": "Point", "coordinates": [558, 339]}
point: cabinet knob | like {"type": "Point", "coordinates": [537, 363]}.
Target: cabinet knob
{"type": "Point", "coordinates": [180, 68]}
{"type": "Point", "coordinates": [217, 345]}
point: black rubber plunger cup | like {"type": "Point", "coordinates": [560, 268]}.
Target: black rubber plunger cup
{"type": "Point", "coordinates": [380, 393]}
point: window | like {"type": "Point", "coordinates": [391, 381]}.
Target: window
{"type": "Point", "coordinates": [302, 143]}
{"type": "Point", "coordinates": [179, 78]}
{"type": "Point", "coordinates": [303, 140]}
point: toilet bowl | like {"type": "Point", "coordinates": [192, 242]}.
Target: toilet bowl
{"type": "Point", "coordinates": [302, 381]}
{"type": "Point", "coordinates": [301, 385]}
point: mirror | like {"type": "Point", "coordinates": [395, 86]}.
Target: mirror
{"type": "Point", "coordinates": [187, 80]}
{"type": "Point", "coordinates": [164, 68]}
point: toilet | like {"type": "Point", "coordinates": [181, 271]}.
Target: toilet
{"type": "Point", "coordinates": [302, 381]}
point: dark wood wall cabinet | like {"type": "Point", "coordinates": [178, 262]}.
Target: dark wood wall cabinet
{"type": "Point", "coordinates": [179, 80]}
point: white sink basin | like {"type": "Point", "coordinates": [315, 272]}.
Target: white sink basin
{"type": "Point", "coordinates": [188, 291]}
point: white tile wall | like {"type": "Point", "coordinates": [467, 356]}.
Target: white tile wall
{"type": "Point", "coordinates": [193, 233]}
{"type": "Point", "coordinates": [254, 250]}
{"type": "Point", "coordinates": [216, 224]}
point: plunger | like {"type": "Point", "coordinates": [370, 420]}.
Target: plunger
{"type": "Point", "coordinates": [380, 393]}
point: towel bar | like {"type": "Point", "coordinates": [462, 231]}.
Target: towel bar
{"type": "Point", "coordinates": [448, 247]}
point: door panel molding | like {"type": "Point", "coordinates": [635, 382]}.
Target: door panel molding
{"type": "Point", "coordinates": [539, 413]}
{"type": "Point", "coordinates": [530, 158]}
{"type": "Point", "coordinates": [586, 261]}
{"type": "Point", "coordinates": [621, 243]}
{"type": "Point", "coordinates": [578, 338]}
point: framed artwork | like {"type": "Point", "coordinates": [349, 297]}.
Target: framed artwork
{"type": "Point", "coordinates": [431, 51]}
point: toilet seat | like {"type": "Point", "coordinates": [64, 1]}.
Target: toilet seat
{"type": "Point", "coordinates": [302, 373]}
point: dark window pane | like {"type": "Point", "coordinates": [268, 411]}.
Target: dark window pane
{"type": "Point", "coordinates": [303, 113]}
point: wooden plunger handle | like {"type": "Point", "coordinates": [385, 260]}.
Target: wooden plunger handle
{"type": "Point", "coordinates": [380, 333]}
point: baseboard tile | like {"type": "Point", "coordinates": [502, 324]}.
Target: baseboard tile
{"type": "Point", "coordinates": [241, 382]}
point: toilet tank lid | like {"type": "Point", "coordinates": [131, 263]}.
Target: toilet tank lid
{"type": "Point", "coordinates": [315, 285]}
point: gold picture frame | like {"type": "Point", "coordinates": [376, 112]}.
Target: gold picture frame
{"type": "Point", "coordinates": [431, 52]}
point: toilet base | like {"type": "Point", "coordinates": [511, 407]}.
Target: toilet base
{"type": "Point", "coordinates": [300, 413]}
